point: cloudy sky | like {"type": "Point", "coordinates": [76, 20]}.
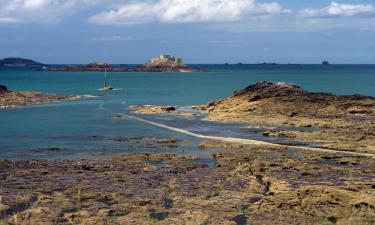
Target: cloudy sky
{"type": "Point", "coordinates": [199, 31]}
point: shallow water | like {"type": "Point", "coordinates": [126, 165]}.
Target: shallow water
{"type": "Point", "coordinates": [86, 127]}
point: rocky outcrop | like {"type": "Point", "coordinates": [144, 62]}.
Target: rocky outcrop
{"type": "Point", "coordinates": [336, 122]}
{"type": "Point", "coordinates": [9, 99]}
{"type": "Point", "coordinates": [19, 62]}
{"type": "Point", "coordinates": [292, 100]}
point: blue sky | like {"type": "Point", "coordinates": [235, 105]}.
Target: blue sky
{"type": "Point", "coordinates": [199, 31]}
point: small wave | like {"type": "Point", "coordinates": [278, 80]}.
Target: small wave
{"type": "Point", "coordinates": [89, 96]}
{"type": "Point", "coordinates": [114, 89]}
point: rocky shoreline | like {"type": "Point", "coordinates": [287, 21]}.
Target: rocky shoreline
{"type": "Point", "coordinates": [344, 123]}
{"type": "Point", "coordinates": [247, 185]}
{"type": "Point", "coordinates": [11, 99]}
{"type": "Point", "coordinates": [336, 122]}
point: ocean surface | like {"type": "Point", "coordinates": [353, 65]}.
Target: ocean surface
{"type": "Point", "coordinates": [86, 128]}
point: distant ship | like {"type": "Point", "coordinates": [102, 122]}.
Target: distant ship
{"type": "Point", "coordinates": [325, 63]}
{"type": "Point", "coordinates": [106, 86]}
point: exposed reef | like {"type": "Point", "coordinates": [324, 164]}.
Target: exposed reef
{"type": "Point", "coordinates": [9, 99]}
{"type": "Point", "coordinates": [162, 109]}
{"type": "Point", "coordinates": [248, 185]}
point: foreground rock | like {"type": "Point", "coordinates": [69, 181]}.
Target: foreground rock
{"type": "Point", "coordinates": [9, 99]}
{"type": "Point", "coordinates": [19, 62]}
{"type": "Point", "coordinates": [248, 185]}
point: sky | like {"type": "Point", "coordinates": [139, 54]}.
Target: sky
{"type": "Point", "coordinates": [199, 31]}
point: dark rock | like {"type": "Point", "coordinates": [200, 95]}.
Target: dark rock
{"type": "Point", "coordinates": [3, 89]}
{"type": "Point", "coordinates": [240, 219]}
{"type": "Point", "coordinates": [293, 114]}
{"type": "Point", "coordinates": [160, 216]}
{"type": "Point", "coordinates": [169, 109]}
{"type": "Point", "coordinates": [168, 203]}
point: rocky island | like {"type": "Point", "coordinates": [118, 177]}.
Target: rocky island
{"type": "Point", "coordinates": [19, 62]}
{"type": "Point", "coordinates": [9, 99]}
{"type": "Point", "coordinates": [163, 63]}
{"type": "Point", "coordinates": [166, 63]}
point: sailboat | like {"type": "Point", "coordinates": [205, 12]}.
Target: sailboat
{"type": "Point", "coordinates": [106, 87]}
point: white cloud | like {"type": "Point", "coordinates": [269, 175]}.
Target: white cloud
{"type": "Point", "coordinates": [115, 38]}
{"type": "Point", "coordinates": [232, 15]}
{"type": "Point", "coordinates": [43, 11]}
{"type": "Point", "coordinates": [180, 11]}
{"type": "Point", "coordinates": [8, 20]}
{"type": "Point", "coordinates": [339, 10]}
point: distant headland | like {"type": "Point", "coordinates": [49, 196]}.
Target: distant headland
{"type": "Point", "coordinates": [19, 62]}
{"type": "Point", "coordinates": [162, 63]}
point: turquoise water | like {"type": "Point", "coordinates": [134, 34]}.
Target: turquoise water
{"type": "Point", "coordinates": [86, 127]}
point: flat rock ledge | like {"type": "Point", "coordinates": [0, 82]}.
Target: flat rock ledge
{"type": "Point", "coordinates": [10, 99]}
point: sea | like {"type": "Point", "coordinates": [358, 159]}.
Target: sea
{"type": "Point", "coordinates": [87, 128]}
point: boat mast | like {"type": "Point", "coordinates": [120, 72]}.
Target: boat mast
{"type": "Point", "coordinates": [105, 78]}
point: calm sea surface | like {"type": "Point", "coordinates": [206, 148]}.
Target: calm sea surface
{"type": "Point", "coordinates": [85, 128]}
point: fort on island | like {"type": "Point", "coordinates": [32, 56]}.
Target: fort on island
{"type": "Point", "coordinates": [162, 63]}
{"type": "Point", "coordinates": [165, 61]}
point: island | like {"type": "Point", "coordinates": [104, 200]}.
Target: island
{"type": "Point", "coordinates": [166, 63]}
{"type": "Point", "coordinates": [19, 62]}
{"type": "Point", "coordinates": [325, 63]}
{"type": "Point", "coordinates": [162, 63]}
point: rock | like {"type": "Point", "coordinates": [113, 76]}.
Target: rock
{"type": "Point", "coordinates": [153, 109]}
{"type": "Point", "coordinates": [3, 89]}
{"type": "Point", "coordinates": [169, 108]}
